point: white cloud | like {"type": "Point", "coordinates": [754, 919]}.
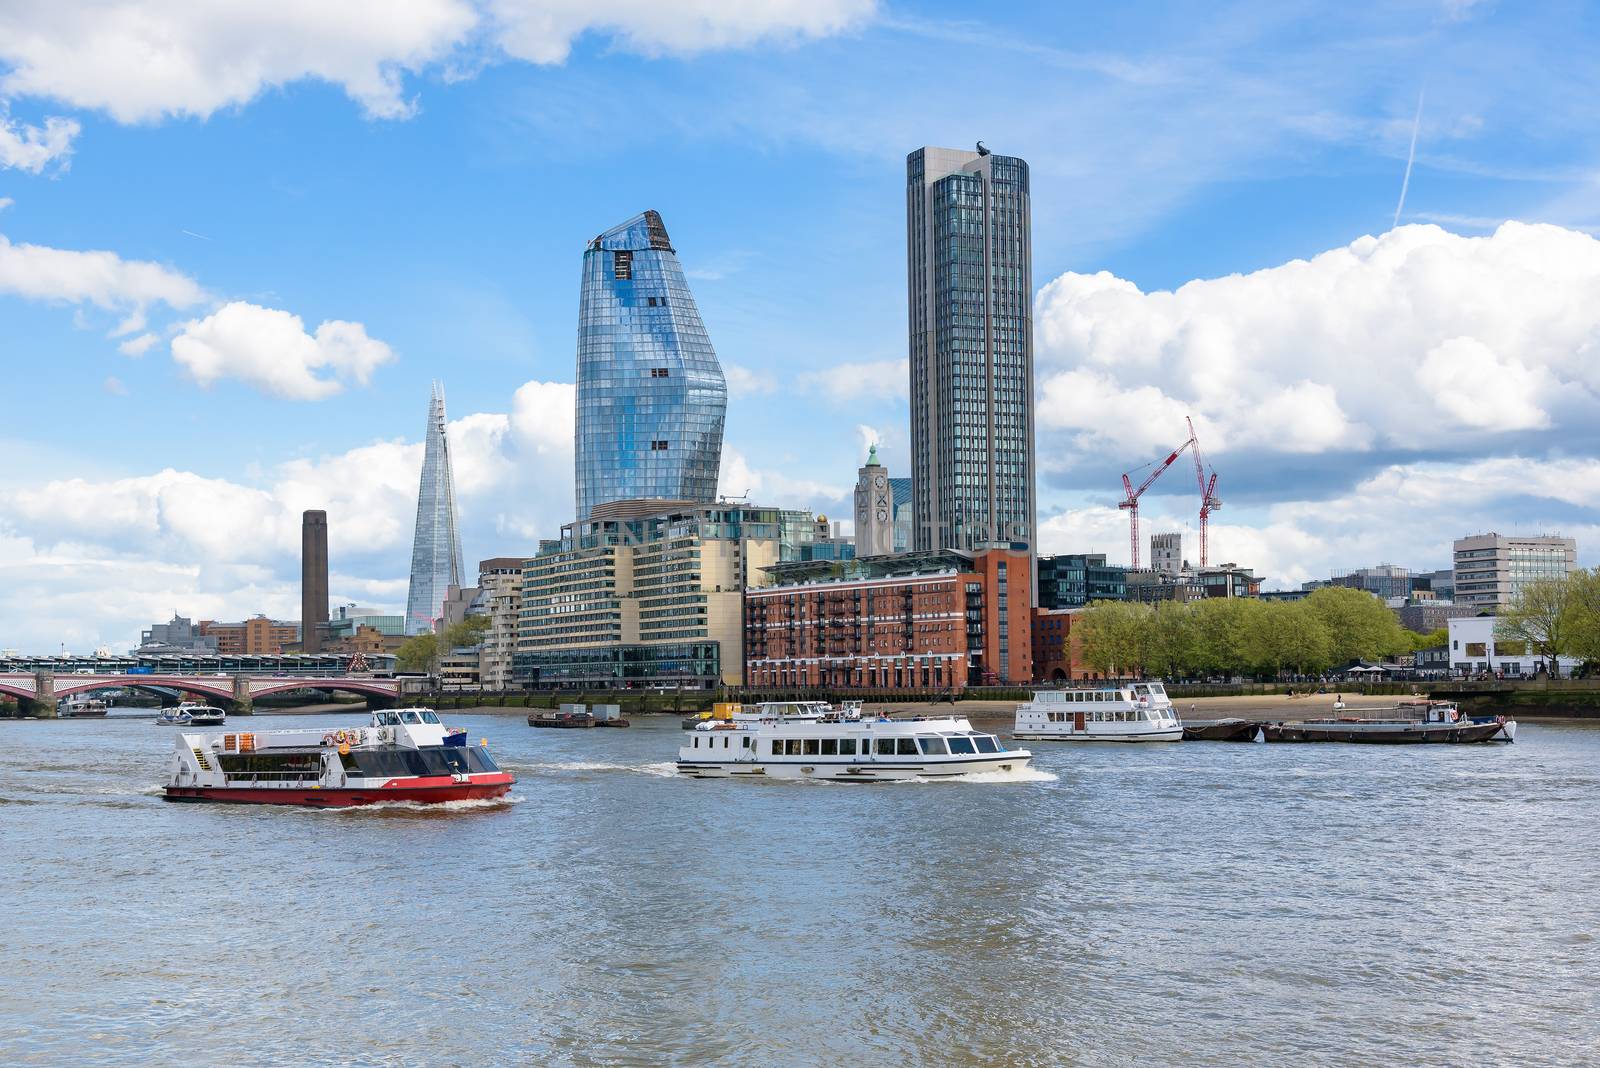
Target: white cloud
{"type": "Point", "coordinates": [137, 346]}
{"type": "Point", "coordinates": [32, 148]}
{"type": "Point", "coordinates": [763, 486]}
{"type": "Point", "coordinates": [6, 202]}
{"type": "Point", "coordinates": [1416, 339]}
{"type": "Point", "coordinates": [743, 382]}
{"type": "Point", "coordinates": [103, 279]}
{"type": "Point", "coordinates": [270, 350]}
{"type": "Point", "coordinates": [140, 60]}
{"type": "Point", "coordinates": [856, 381]}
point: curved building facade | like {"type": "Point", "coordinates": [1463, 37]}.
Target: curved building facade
{"type": "Point", "coordinates": [651, 398]}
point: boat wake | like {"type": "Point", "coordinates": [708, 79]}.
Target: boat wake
{"type": "Point", "coordinates": [478, 804]}
{"type": "Point", "coordinates": [1019, 775]}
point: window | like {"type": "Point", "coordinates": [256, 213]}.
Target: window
{"type": "Point", "coordinates": [886, 747]}
{"type": "Point", "coordinates": [651, 301]}
{"type": "Point", "coordinates": [746, 741]}
{"type": "Point", "coordinates": [658, 446]}
{"type": "Point", "coordinates": [1476, 648]}
{"type": "Point", "coordinates": [660, 372]}
{"type": "Point", "coordinates": [792, 747]}
{"type": "Point", "coordinates": [622, 265]}
{"type": "Point", "coordinates": [985, 744]}
{"type": "Point", "coordinates": [847, 747]}
{"type": "Point", "coordinates": [811, 748]}
{"type": "Point", "coordinates": [777, 747]}
{"type": "Point", "coordinates": [961, 745]}
{"type": "Point", "coordinates": [907, 747]}
{"type": "Point", "coordinates": [933, 746]}
{"type": "Point", "coordinates": [830, 747]}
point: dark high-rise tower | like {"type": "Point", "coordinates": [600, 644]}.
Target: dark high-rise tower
{"type": "Point", "coordinates": [970, 280]}
{"type": "Point", "coordinates": [436, 546]}
{"type": "Point", "coordinates": [313, 578]}
{"type": "Point", "coordinates": [651, 397]}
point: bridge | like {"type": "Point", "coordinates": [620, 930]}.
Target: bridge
{"type": "Point", "coordinates": [37, 692]}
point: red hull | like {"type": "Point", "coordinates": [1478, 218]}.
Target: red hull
{"type": "Point", "coordinates": [422, 791]}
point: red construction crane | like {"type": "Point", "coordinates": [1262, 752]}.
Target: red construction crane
{"type": "Point", "coordinates": [1132, 503]}
{"type": "Point", "coordinates": [1209, 501]}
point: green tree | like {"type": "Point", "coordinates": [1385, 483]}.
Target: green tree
{"type": "Point", "coordinates": [1432, 640]}
{"type": "Point", "coordinates": [1170, 640]}
{"type": "Point", "coordinates": [420, 652]}
{"type": "Point", "coordinates": [1583, 612]}
{"type": "Point", "coordinates": [468, 632]}
{"type": "Point", "coordinates": [1360, 626]}
{"type": "Point", "coordinates": [1223, 635]}
{"type": "Point", "coordinates": [1542, 615]}
{"type": "Point", "coordinates": [1115, 635]}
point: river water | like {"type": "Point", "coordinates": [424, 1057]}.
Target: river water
{"type": "Point", "coordinates": [1195, 904]}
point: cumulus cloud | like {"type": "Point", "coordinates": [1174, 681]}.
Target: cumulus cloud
{"type": "Point", "coordinates": [103, 279]}
{"type": "Point", "coordinates": [271, 350]}
{"type": "Point", "coordinates": [865, 379]}
{"type": "Point", "coordinates": [33, 148]}
{"type": "Point", "coordinates": [1413, 340]}
{"type": "Point", "coordinates": [743, 382]}
{"type": "Point", "coordinates": [140, 60]}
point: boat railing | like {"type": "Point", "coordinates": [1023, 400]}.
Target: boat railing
{"type": "Point", "coordinates": [300, 777]}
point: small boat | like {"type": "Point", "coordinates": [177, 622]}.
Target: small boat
{"type": "Point", "coordinates": [401, 755]}
{"type": "Point", "coordinates": [843, 747]}
{"type": "Point", "coordinates": [1130, 712]}
{"type": "Point", "coordinates": [1231, 729]}
{"type": "Point", "coordinates": [567, 720]}
{"type": "Point", "coordinates": [80, 706]}
{"type": "Point", "coordinates": [173, 717]}
{"type": "Point", "coordinates": [205, 715]}
{"type": "Point", "coordinates": [1418, 723]}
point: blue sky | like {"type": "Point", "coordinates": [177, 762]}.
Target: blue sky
{"type": "Point", "coordinates": [432, 175]}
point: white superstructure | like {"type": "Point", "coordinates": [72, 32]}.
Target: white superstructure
{"type": "Point", "coordinates": [1123, 712]}
{"type": "Point", "coordinates": [842, 747]}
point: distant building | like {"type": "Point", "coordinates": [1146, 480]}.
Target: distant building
{"type": "Point", "coordinates": [874, 514]}
{"type": "Point", "coordinates": [1491, 568]}
{"type": "Point", "coordinates": [178, 636]}
{"type": "Point", "coordinates": [939, 620]}
{"type": "Point", "coordinates": [1442, 583]}
{"type": "Point", "coordinates": [1284, 595]}
{"type": "Point", "coordinates": [1072, 580]}
{"type": "Point", "coordinates": [1426, 616]}
{"type": "Point", "coordinates": [970, 293]}
{"type": "Point", "coordinates": [1385, 580]}
{"type": "Point", "coordinates": [501, 581]}
{"type": "Point", "coordinates": [635, 597]}
{"type": "Point", "coordinates": [459, 603]}
{"type": "Point", "coordinates": [1228, 580]}
{"type": "Point", "coordinates": [1166, 553]}
{"type": "Point", "coordinates": [255, 636]}
{"type": "Point", "coordinates": [651, 398]}
{"type": "Point", "coordinates": [904, 515]}
{"type": "Point", "coordinates": [313, 578]}
{"type": "Point", "coordinates": [1057, 651]}
{"type": "Point", "coordinates": [436, 542]}
{"type": "Point", "coordinates": [1474, 650]}
{"type": "Point", "coordinates": [459, 670]}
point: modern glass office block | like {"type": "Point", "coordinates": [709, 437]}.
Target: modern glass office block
{"type": "Point", "coordinates": [436, 547]}
{"type": "Point", "coordinates": [651, 396]}
{"type": "Point", "coordinates": [969, 268]}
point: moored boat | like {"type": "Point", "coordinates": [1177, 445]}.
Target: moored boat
{"type": "Point", "coordinates": [844, 747]}
{"type": "Point", "coordinates": [1422, 723]}
{"type": "Point", "coordinates": [402, 755]}
{"type": "Point", "coordinates": [1130, 712]}
{"type": "Point", "coordinates": [1231, 729]}
{"type": "Point", "coordinates": [81, 706]}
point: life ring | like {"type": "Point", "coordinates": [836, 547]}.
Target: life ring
{"type": "Point", "coordinates": [339, 735]}
{"type": "Point", "coordinates": [1454, 715]}
{"type": "Point", "coordinates": [327, 739]}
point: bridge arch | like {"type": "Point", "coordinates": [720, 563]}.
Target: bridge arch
{"type": "Point", "coordinates": [222, 689]}
{"type": "Point", "coordinates": [16, 689]}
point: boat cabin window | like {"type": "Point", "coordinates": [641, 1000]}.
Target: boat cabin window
{"type": "Point", "coordinates": [430, 716]}
{"type": "Point", "coordinates": [746, 741]}
{"type": "Point", "coordinates": [886, 747]}
{"type": "Point", "coordinates": [961, 745]}
{"type": "Point", "coordinates": [985, 743]}
{"type": "Point", "coordinates": [933, 746]}
{"type": "Point", "coordinates": [847, 747]}
{"type": "Point", "coordinates": [792, 747]}
{"type": "Point", "coordinates": [907, 747]}
{"type": "Point", "coordinates": [777, 747]}
{"type": "Point", "coordinates": [409, 716]}
{"type": "Point", "coordinates": [830, 747]}
{"type": "Point", "coordinates": [811, 747]}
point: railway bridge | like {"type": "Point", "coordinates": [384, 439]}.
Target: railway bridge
{"type": "Point", "coordinates": [38, 691]}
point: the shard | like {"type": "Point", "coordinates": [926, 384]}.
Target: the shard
{"type": "Point", "coordinates": [651, 397]}
{"type": "Point", "coordinates": [436, 550]}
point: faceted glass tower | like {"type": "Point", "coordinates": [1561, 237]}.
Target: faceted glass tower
{"type": "Point", "coordinates": [651, 396]}
{"type": "Point", "coordinates": [970, 282]}
{"type": "Point", "coordinates": [436, 550]}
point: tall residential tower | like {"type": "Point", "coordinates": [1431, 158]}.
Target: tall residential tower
{"type": "Point", "coordinates": [970, 280]}
{"type": "Point", "coordinates": [436, 548]}
{"type": "Point", "coordinates": [651, 397]}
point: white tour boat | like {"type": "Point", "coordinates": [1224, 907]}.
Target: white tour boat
{"type": "Point", "coordinates": [187, 715]}
{"type": "Point", "coordinates": [1124, 712]}
{"type": "Point", "coordinates": [402, 755]}
{"type": "Point", "coordinates": [773, 742]}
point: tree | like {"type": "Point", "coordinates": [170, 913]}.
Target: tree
{"type": "Point", "coordinates": [1540, 614]}
{"type": "Point", "coordinates": [1431, 640]}
{"type": "Point", "coordinates": [1114, 636]}
{"type": "Point", "coordinates": [419, 653]}
{"type": "Point", "coordinates": [1360, 626]}
{"type": "Point", "coordinates": [468, 632]}
{"type": "Point", "coordinates": [1170, 641]}
{"type": "Point", "coordinates": [1583, 614]}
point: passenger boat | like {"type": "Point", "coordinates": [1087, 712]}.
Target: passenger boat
{"type": "Point", "coordinates": [1431, 722]}
{"type": "Point", "coordinates": [402, 755]}
{"type": "Point", "coordinates": [842, 747]}
{"type": "Point", "coordinates": [80, 706]}
{"type": "Point", "coordinates": [1130, 712]}
{"type": "Point", "coordinates": [191, 716]}
{"type": "Point", "coordinates": [789, 711]}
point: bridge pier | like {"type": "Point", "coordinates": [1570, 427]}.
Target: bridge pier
{"type": "Point", "coordinates": [43, 703]}
{"type": "Point", "coordinates": [243, 704]}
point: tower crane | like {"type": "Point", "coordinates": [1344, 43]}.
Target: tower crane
{"type": "Point", "coordinates": [1209, 501]}
{"type": "Point", "coordinates": [1132, 503]}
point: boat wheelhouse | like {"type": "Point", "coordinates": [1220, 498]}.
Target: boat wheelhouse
{"type": "Point", "coordinates": [1127, 712]}
{"type": "Point", "coordinates": [844, 747]}
{"type": "Point", "coordinates": [401, 755]}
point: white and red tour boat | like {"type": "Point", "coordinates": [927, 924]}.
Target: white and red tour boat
{"type": "Point", "coordinates": [402, 755]}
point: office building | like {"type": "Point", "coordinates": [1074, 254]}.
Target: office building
{"type": "Point", "coordinates": [255, 636]}
{"type": "Point", "coordinates": [1072, 580]}
{"type": "Point", "coordinates": [1385, 581]}
{"type": "Point", "coordinates": [1491, 568]}
{"type": "Point", "coordinates": [874, 518]}
{"type": "Point", "coordinates": [970, 293]}
{"type": "Point", "coordinates": [313, 578]}
{"type": "Point", "coordinates": [651, 397]}
{"type": "Point", "coordinates": [436, 544]}
{"type": "Point", "coordinates": [940, 620]}
{"type": "Point", "coordinates": [1427, 615]}
{"type": "Point", "coordinates": [637, 597]}
{"type": "Point", "coordinates": [500, 579]}
{"type": "Point", "coordinates": [1441, 583]}
{"type": "Point", "coordinates": [178, 636]}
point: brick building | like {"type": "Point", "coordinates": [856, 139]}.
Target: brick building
{"type": "Point", "coordinates": [1057, 651]}
{"type": "Point", "coordinates": [254, 636]}
{"type": "Point", "coordinates": [935, 620]}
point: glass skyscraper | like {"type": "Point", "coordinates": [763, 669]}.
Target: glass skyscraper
{"type": "Point", "coordinates": [970, 280]}
{"type": "Point", "coordinates": [436, 548]}
{"type": "Point", "coordinates": [651, 396]}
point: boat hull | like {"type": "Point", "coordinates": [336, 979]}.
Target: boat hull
{"type": "Point", "coordinates": [1383, 734]}
{"type": "Point", "coordinates": [1222, 730]}
{"type": "Point", "coordinates": [846, 771]}
{"type": "Point", "coordinates": [482, 788]}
